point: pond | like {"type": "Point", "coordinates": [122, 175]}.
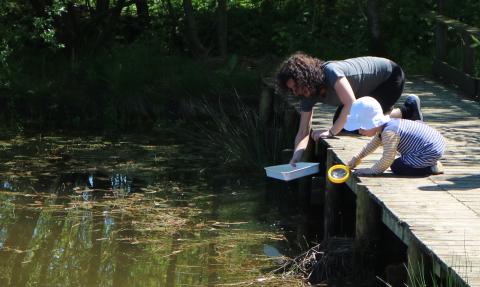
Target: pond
{"type": "Point", "coordinates": [131, 210]}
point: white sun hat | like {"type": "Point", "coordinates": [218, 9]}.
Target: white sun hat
{"type": "Point", "coordinates": [366, 113]}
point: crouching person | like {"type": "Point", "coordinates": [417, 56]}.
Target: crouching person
{"type": "Point", "coordinates": [420, 146]}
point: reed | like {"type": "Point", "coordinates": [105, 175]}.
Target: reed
{"type": "Point", "coordinates": [239, 136]}
{"type": "Point", "coordinates": [418, 277]}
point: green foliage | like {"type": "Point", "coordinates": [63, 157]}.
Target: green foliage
{"type": "Point", "coordinates": [282, 27]}
{"type": "Point", "coordinates": [476, 42]}
{"type": "Point", "coordinates": [5, 51]}
{"type": "Point", "coordinates": [409, 34]}
{"type": "Point", "coordinates": [476, 46]}
{"type": "Point", "coordinates": [66, 63]}
{"type": "Point", "coordinates": [133, 85]}
{"type": "Point", "coordinates": [465, 11]}
{"type": "Point", "coordinates": [45, 31]}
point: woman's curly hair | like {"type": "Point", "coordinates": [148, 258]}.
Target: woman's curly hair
{"type": "Point", "coordinates": [305, 70]}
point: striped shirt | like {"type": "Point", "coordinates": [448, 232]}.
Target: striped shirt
{"type": "Point", "coordinates": [418, 144]}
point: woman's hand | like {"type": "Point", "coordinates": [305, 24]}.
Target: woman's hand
{"type": "Point", "coordinates": [294, 160]}
{"type": "Point", "coordinates": [296, 157]}
{"type": "Point", "coordinates": [316, 135]}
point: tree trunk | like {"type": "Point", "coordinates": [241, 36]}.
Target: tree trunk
{"type": "Point", "coordinates": [172, 23]}
{"type": "Point", "coordinates": [441, 6]}
{"type": "Point", "coordinates": [117, 10]}
{"type": "Point", "coordinates": [111, 19]}
{"type": "Point", "coordinates": [196, 46]}
{"type": "Point", "coordinates": [73, 39]}
{"type": "Point", "coordinates": [143, 13]}
{"type": "Point", "coordinates": [102, 6]}
{"type": "Point", "coordinates": [40, 6]}
{"type": "Point", "coordinates": [222, 30]}
{"type": "Point", "coordinates": [330, 8]}
{"type": "Point", "coordinates": [313, 16]}
{"type": "Point", "coordinates": [376, 45]}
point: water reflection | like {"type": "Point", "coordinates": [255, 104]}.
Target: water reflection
{"type": "Point", "coordinates": [93, 211]}
{"type": "Point", "coordinates": [271, 251]}
{"type": "Point", "coordinates": [7, 185]}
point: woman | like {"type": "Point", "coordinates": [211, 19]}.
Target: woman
{"type": "Point", "coordinates": [339, 83]}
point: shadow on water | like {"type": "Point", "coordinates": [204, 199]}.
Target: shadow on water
{"type": "Point", "coordinates": [131, 211]}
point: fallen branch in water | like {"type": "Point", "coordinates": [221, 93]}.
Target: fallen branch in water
{"type": "Point", "coordinates": [329, 260]}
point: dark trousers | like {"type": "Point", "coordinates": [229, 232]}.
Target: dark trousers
{"type": "Point", "coordinates": [387, 93]}
{"type": "Point", "coordinates": [401, 168]}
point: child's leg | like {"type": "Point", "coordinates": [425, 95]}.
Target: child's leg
{"type": "Point", "coordinates": [401, 168]}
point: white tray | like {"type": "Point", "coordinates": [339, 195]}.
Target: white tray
{"type": "Point", "coordinates": [287, 172]}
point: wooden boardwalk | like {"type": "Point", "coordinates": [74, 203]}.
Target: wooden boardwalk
{"type": "Point", "coordinates": [440, 214]}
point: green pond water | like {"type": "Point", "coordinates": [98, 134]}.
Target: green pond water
{"type": "Point", "coordinates": [131, 211]}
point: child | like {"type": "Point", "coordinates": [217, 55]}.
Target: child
{"type": "Point", "coordinates": [419, 145]}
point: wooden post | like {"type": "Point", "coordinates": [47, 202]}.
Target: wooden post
{"type": "Point", "coordinates": [441, 35]}
{"type": "Point", "coordinates": [265, 105]}
{"type": "Point", "coordinates": [367, 233]}
{"type": "Point", "coordinates": [321, 155]}
{"type": "Point", "coordinates": [477, 89]}
{"type": "Point", "coordinates": [317, 193]}
{"type": "Point", "coordinates": [305, 184]}
{"type": "Point", "coordinates": [309, 153]}
{"type": "Point", "coordinates": [291, 120]}
{"type": "Point", "coordinates": [441, 42]}
{"type": "Point", "coordinates": [286, 155]}
{"type": "Point", "coordinates": [332, 201]}
{"type": "Point", "coordinates": [468, 53]}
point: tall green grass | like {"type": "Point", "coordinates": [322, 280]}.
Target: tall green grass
{"type": "Point", "coordinates": [418, 277]}
{"type": "Point", "coordinates": [239, 137]}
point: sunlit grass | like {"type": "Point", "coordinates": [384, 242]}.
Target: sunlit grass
{"type": "Point", "coordinates": [418, 277]}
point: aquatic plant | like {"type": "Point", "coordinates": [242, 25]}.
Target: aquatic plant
{"type": "Point", "coordinates": [418, 277]}
{"type": "Point", "coordinates": [239, 136]}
